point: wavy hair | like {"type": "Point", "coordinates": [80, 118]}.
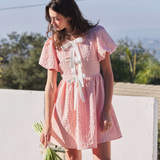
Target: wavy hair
{"type": "Point", "coordinates": [67, 8]}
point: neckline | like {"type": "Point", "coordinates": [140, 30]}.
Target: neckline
{"type": "Point", "coordinates": [74, 39]}
{"type": "Point", "coordinates": [67, 40]}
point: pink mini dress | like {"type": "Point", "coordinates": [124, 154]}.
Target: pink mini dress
{"type": "Point", "coordinates": [80, 95]}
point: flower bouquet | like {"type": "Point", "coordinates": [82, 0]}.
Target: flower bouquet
{"type": "Point", "coordinates": [48, 153]}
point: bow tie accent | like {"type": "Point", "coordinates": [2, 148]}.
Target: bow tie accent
{"type": "Point", "coordinates": [75, 59]}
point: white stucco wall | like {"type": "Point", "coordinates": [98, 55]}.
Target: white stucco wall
{"type": "Point", "coordinates": [137, 117]}
{"type": "Point", "coordinates": [138, 120]}
{"type": "Point", "coordinates": [18, 110]}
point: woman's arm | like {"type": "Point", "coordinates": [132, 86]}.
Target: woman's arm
{"type": "Point", "coordinates": [108, 82]}
{"type": "Point", "coordinates": [50, 90]}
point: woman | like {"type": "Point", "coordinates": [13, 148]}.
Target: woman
{"type": "Point", "coordinates": [78, 113]}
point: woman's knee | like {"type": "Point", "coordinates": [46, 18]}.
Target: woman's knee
{"type": "Point", "coordinates": [73, 154]}
{"type": "Point", "coordinates": [102, 152]}
{"type": "Point", "coordinates": [95, 157]}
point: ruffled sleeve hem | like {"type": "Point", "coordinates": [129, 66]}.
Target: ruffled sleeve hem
{"type": "Point", "coordinates": [48, 58]}
{"type": "Point", "coordinates": [104, 43]}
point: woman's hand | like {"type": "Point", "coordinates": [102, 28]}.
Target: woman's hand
{"type": "Point", "coordinates": [45, 135]}
{"type": "Point", "coordinates": [105, 120]}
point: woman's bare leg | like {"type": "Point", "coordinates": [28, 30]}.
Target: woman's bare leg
{"type": "Point", "coordinates": [102, 152]}
{"type": "Point", "coordinates": [73, 154]}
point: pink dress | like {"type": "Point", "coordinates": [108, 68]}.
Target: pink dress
{"type": "Point", "coordinates": [80, 94]}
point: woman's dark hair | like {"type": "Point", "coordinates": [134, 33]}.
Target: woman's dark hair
{"type": "Point", "coordinates": [67, 8]}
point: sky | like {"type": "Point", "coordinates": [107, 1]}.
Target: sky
{"type": "Point", "coordinates": [138, 18]}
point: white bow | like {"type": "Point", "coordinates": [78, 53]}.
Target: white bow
{"type": "Point", "coordinates": [75, 78]}
{"type": "Point", "coordinates": [73, 60]}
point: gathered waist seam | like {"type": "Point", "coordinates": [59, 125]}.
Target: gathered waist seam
{"type": "Point", "coordinates": [85, 77]}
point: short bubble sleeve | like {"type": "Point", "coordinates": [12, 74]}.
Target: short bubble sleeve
{"type": "Point", "coordinates": [48, 58]}
{"type": "Point", "coordinates": [104, 43]}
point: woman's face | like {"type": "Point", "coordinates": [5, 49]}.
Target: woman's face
{"type": "Point", "coordinates": [58, 21]}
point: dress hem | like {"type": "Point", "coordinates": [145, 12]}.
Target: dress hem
{"type": "Point", "coordinates": [87, 147]}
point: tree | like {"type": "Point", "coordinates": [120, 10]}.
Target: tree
{"type": "Point", "coordinates": [1, 64]}
{"type": "Point", "coordinates": [21, 54]}
{"type": "Point", "coordinates": [150, 70]}
{"type": "Point", "coordinates": [128, 63]}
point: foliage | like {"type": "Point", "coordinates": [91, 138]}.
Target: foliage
{"type": "Point", "coordinates": [132, 63]}
{"type": "Point", "coordinates": [21, 53]}
{"type": "Point", "coordinates": [149, 71]}
{"type": "Point", "coordinates": [1, 64]}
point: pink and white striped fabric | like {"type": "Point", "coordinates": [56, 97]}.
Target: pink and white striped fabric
{"type": "Point", "coordinates": [80, 95]}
